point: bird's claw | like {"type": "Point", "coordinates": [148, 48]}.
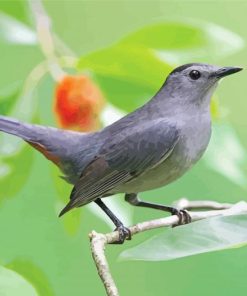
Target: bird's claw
{"type": "Point", "coordinates": [183, 217]}
{"type": "Point", "coordinates": [124, 233]}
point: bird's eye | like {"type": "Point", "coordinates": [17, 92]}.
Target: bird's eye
{"type": "Point", "coordinates": [194, 74]}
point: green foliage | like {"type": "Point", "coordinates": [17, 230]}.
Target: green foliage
{"type": "Point", "coordinates": [33, 274]}
{"type": "Point", "coordinates": [71, 221]}
{"type": "Point", "coordinates": [11, 283]}
{"type": "Point", "coordinates": [178, 41]}
{"type": "Point", "coordinates": [57, 258]}
{"type": "Point", "coordinates": [127, 69]}
{"type": "Point", "coordinates": [15, 170]}
{"type": "Point", "coordinates": [131, 71]}
{"type": "Point", "coordinates": [7, 101]}
{"type": "Point", "coordinates": [232, 160]}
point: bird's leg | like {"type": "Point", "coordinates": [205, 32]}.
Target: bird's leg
{"type": "Point", "coordinates": [124, 232]}
{"type": "Point", "coordinates": [183, 215]}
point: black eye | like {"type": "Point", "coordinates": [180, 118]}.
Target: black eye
{"type": "Point", "coordinates": [194, 74]}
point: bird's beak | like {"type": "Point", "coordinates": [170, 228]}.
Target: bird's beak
{"type": "Point", "coordinates": [222, 72]}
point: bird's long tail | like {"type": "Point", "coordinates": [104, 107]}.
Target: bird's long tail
{"type": "Point", "coordinates": [55, 144]}
{"type": "Point", "coordinates": [25, 131]}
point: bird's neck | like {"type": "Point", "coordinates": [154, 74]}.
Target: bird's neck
{"type": "Point", "coordinates": [171, 103]}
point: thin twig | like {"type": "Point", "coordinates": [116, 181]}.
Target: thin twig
{"type": "Point", "coordinates": [184, 203]}
{"type": "Point", "coordinates": [45, 38]}
{"type": "Point", "coordinates": [99, 241]}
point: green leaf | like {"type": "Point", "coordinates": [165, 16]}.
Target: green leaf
{"type": "Point", "coordinates": [167, 35]}
{"type": "Point", "coordinates": [128, 76]}
{"type": "Point", "coordinates": [212, 234]}
{"type": "Point", "coordinates": [124, 94]}
{"type": "Point", "coordinates": [33, 274]}
{"type": "Point", "coordinates": [11, 283]}
{"type": "Point", "coordinates": [179, 42]}
{"type": "Point", "coordinates": [229, 161]}
{"type": "Point", "coordinates": [14, 32]}
{"type": "Point", "coordinates": [18, 11]}
{"type": "Point", "coordinates": [133, 64]}
{"type": "Point", "coordinates": [130, 72]}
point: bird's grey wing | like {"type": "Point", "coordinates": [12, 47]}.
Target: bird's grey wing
{"type": "Point", "coordinates": [121, 159]}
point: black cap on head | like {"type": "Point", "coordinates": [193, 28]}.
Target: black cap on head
{"type": "Point", "coordinates": [183, 67]}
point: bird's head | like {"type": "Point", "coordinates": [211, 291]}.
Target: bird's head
{"type": "Point", "coordinates": [195, 83]}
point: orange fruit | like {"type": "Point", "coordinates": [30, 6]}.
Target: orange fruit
{"type": "Point", "coordinates": [78, 103]}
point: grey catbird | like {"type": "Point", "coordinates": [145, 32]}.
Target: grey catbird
{"type": "Point", "coordinates": [148, 148]}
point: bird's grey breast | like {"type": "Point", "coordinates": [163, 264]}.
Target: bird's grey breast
{"type": "Point", "coordinates": [193, 140]}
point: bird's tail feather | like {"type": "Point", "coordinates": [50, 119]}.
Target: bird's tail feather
{"type": "Point", "coordinates": [14, 127]}
{"type": "Point", "coordinates": [70, 205]}
{"type": "Point", "coordinates": [55, 144]}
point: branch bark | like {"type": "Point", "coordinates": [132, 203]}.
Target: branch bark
{"type": "Point", "coordinates": [99, 241]}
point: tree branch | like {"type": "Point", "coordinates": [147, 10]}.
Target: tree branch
{"type": "Point", "coordinates": [99, 241]}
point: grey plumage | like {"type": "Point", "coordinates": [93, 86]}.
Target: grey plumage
{"type": "Point", "coordinates": [148, 148]}
{"type": "Point", "coordinates": [120, 159]}
{"type": "Point", "coordinates": [59, 146]}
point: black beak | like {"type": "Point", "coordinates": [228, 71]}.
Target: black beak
{"type": "Point", "coordinates": [222, 72]}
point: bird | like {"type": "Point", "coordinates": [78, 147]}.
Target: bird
{"type": "Point", "coordinates": [148, 148]}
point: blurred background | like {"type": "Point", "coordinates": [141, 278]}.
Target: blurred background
{"type": "Point", "coordinates": [81, 65]}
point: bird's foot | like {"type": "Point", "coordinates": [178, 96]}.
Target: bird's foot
{"type": "Point", "coordinates": [124, 233]}
{"type": "Point", "coordinates": [183, 217]}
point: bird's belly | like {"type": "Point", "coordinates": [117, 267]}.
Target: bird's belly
{"type": "Point", "coordinates": [186, 153]}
